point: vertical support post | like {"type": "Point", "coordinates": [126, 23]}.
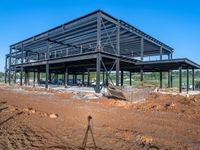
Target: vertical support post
{"type": "Point", "coordinates": [118, 53]}
{"type": "Point", "coordinates": [66, 77]}
{"type": "Point", "coordinates": [130, 78]}
{"type": "Point", "coordinates": [6, 69]}
{"type": "Point", "coordinates": [98, 48]}
{"type": "Point", "coordinates": [193, 79]}
{"type": "Point", "coordinates": [47, 66]}
{"type": "Point", "coordinates": [88, 81]}
{"type": "Point", "coordinates": [50, 77]}
{"type": "Point", "coordinates": [187, 79]}
{"type": "Point", "coordinates": [141, 75]}
{"type": "Point", "coordinates": [180, 78]}
{"type": "Point", "coordinates": [9, 73]}
{"type": "Point", "coordinates": [168, 80]}
{"type": "Point", "coordinates": [170, 72]}
{"type": "Point", "coordinates": [171, 80]}
{"type": "Point", "coordinates": [161, 53]}
{"type": "Point", "coordinates": [118, 40]}
{"type": "Point", "coordinates": [22, 61]}
{"type": "Point", "coordinates": [15, 76]}
{"type": "Point", "coordinates": [142, 49]}
{"type": "Point", "coordinates": [170, 56]}
{"type": "Point", "coordinates": [25, 78]}
{"type": "Point", "coordinates": [75, 78]}
{"type": "Point", "coordinates": [103, 77]}
{"type": "Point", "coordinates": [122, 77]}
{"type": "Point", "coordinates": [98, 69]}
{"type": "Point", "coordinates": [83, 78]}
{"type": "Point", "coordinates": [38, 77]}
{"type": "Point", "coordinates": [34, 79]}
{"type": "Point", "coordinates": [47, 75]}
{"type": "Point", "coordinates": [107, 78]}
{"type": "Point", "coordinates": [161, 79]}
{"type": "Point", "coordinates": [117, 71]}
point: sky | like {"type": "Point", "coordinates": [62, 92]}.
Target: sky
{"type": "Point", "coordinates": [174, 22]}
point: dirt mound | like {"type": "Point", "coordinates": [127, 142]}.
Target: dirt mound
{"type": "Point", "coordinates": [161, 122]}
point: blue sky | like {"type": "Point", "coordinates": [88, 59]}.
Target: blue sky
{"type": "Point", "coordinates": [174, 22]}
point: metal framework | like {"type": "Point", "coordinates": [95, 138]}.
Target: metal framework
{"type": "Point", "coordinates": [95, 42]}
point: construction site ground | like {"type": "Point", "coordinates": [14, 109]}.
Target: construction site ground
{"type": "Point", "coordinates": [32, 118]}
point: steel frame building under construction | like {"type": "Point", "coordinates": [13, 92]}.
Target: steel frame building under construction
{"type": "Point", "coordinates": [95, 42]}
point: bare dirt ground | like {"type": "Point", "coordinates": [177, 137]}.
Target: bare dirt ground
{"type": "Point", "coordinates": [160, 122]}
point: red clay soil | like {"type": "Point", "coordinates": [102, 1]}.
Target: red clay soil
{"type": "Point", "coordinates": [160, 122]}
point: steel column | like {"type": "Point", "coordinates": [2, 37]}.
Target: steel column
{"type": "Point", "coordinates": [187, 80]}
{"type": "Point", "coordinates": [98, 69]}
{"type": "Point", "coordinates": [47, 75]}
{"type": "Point", "coordinates": [107, 82]}
{"type": "Point", "coordinates": [122, 77]}
{"type": "Point", "coordinates": [103, 77]}
{"type": "Point", "coordinates": [161, 79]}
{"type": "Point", "coordinates": [168, 79]}
{"type": "Point", "coordinates": [161, 53]}
{"type": "Point", "coordinates": [193, 86]}
{"type": "Point", "coordinates": [25, 77]}
{"type": "Point", "coordinates": [15, 76]}
{"type": "Point", "coordinates": [117, 71]}
{"type": "Point", "coordinates": [83, 78]}
{"type": "Point", "coordinates": [9, 73]}
{"type": "Point", "coordinates": [22, 61]}
{"type": "Point", "coordinates": [130, 78]}
{"type": "Point", "coordinates": [141, 75]}
{"type": "Point", "coordinates": [66, 77]}
{"type": "Point", "coordinates": [142, 49]}
{"type": "Point", "coordinates": [6, 69]}
{"type": "Point", "coordinates": [118, 40]}
{"type": "Point", "coordinates": [88, 81]}
{"type": "Point", "coordinates": [47, 66]}
{"type": "Point", "coordinates": [180, 79]}
{"type": "Point", "coordinates": [171, 80]}
{"type": "Point", "coordinates": [98, 48]}
{"type": "Point", "coordinates": [34, 79]}
{"type": "Point", "coordinates": [38, 77]}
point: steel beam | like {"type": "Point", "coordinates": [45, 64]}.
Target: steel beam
{"type": "Point", "coordinates": [180, 79]}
